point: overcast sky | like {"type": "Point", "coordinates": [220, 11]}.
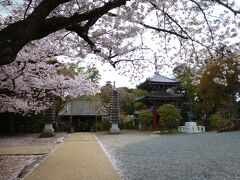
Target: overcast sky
{"type": "Point", "coordinates": [108, 73]}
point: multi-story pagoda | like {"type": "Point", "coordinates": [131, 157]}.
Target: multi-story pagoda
{"type": "Point", "coordinates": [160, 90]}
{"type": "Point", "coordinates": [114, 111]}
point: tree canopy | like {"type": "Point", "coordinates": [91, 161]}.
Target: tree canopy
{"type": "Point", "coordinates": [115, 29]}
{"type": "Point", "coordinates": [32, 81]}
{"type": "Point", "coordinates": [220, 83]}
{"type": "Point", "coordinates": [33, 86]}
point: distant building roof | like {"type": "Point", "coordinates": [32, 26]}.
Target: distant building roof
{"type": "Point", "coordinates": [83, 108]}
{"type": "Point", "coordinates": [158, 79]}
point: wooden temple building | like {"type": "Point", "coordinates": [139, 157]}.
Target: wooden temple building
{"type": "Point", "coordinates": [82, 115]}
{"type": "Point", "coordinates": [160, 90]}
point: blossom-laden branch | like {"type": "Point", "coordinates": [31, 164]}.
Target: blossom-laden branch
{"type": "Point", "coordinates": [164, 30]}
{"type": "Point", "coordinates": [38, 25]}
{"type": "Point", "coordinates": [177, 30]}
{"type": "Point", "coordinates": [82, 31]}
{"type": "Point", "coordinates": [28, 6]}
{"type": "Point", "coordinates": [27, 83]}
{"type": "Point", "coordinates": [227, 6]}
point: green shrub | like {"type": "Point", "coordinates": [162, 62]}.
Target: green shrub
{"type": "Point", "coordinates": [169, 116]}
{"type": "Point", "coordinates": [129, 124]}
{"type": "Point", "coordinates": [105, 124]}
{"type": "Point", "coordinates": [216, 120]}
{"type": "Point", "coordinates": [127, 121]}
{"type": "Point", "coordinates": [139, 106]}
{"type": "Point", "coordinates": [145, 117]}
{"type": "Point", "coordinates": [224, 121]}
{"type": "Point", "coordinates": [99, 126]}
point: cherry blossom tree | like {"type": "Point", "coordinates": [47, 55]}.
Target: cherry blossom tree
{"type": "Point", "coordinates": [220, 84]}
{"type": "Point", "coordinates": [124, 31]}
{"type": "Point", "coordinates": [30, 83]}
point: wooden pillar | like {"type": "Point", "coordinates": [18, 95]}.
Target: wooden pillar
{"type": "Point", "coordinates": [155, 119]}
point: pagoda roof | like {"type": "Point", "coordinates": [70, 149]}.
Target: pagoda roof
{"type": "Point", "coordinates": [158, 79]}
{"type": "Point", "coordinates": [161, 97]}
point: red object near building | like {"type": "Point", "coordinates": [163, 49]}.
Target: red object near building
{"type": "Point", "coordinates": [155, 119]}
{"type": "Point", "coordinates": [159, 91]}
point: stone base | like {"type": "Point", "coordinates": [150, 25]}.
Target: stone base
{"type": "Point", "coordinates": [46, 135]}
{"type": "Point", "coordinates": [48, 131]}
{"type": "Point", "coordinates": [48, 128]}
{"type": "Point", "coordinates": [191, 127]}
{"type": "Point", "coordinates": [140, 126]}
{"type": "Point", "coordinates": [114, 129]}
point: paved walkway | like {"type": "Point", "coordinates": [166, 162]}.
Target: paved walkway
{"type": "Point", "coordinates": [80, 157]}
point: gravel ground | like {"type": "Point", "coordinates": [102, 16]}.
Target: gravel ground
{"type": "Point", "coordinates": [16, 167]}
{"type": "Point", "coordinates": [31, 139]}
{"type": "Point", "coordinates": [205, 156]}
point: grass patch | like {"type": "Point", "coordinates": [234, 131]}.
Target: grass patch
{"type": "Point", "coordinates": [170, 131]}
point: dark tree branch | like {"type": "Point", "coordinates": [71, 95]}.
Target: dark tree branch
{"type": "Point", "coordinates": [28, 6]}
{"type": "Point", "coordinates": [13, 78]}
{"type": "Point", "coordinates": [15, 36]}
{"type": "Point", "coordinates": [110, 53]}
{"type": "Point", "coordinates": [54, 24]}
{"type": "Point", "coordinates": [170, 17]}
{"type": "Point", "coordinates": [90, 23]}
{"type": "Point", "coordinates": [112, 14]}
{"type": "Point", "coordinates": [114, 63]}
{"type": "Point", "coordinates": [205, 18]}
{"type": "Point", "coordinates": [163, 30]}
{"type": "Point", "coordinates": [181, 28]}
{"type": "Point", "coordinates": [227, 6]}
{"type": "Point", "coordinates": [83, 33]}
{"type": "Point", "coordinates": [110, 56]}
{"type": "Point", "coordinates": [78, 4]}
{"type": "Point", "coordinates": [45, 8]}
{"type": "Point", "coordinates": [20, 71]}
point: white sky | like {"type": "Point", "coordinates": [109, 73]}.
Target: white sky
{"type": "Point", "coordinates": [108, 73]}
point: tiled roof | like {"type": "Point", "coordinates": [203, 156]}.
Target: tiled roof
{"type": "Point", "coordinates": [159, 78]}
{"type": "Point", "coordinates": [83, 108]}
{"type": "Point", "coordinates": [161, 96]}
